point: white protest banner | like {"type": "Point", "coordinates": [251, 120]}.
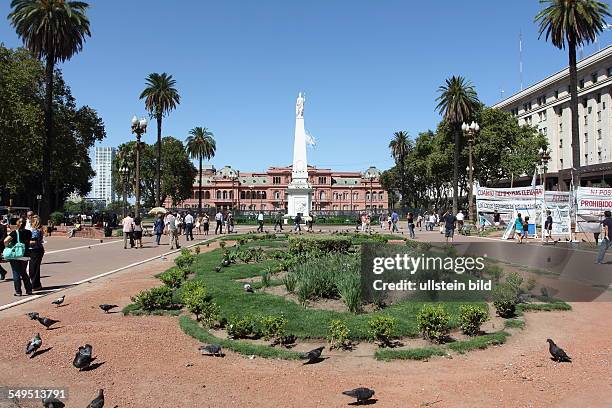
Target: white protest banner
{"type": "Point", "coordinates": [509, 194]}
{"type": "Point", "coordinates": [593, 200]}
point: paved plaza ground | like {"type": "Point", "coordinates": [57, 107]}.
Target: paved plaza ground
{"type": "Point", "coordinates": [148, 361]}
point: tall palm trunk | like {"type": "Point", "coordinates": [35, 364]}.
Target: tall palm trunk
{"type": "Point", "coordinates": [574, 108]}
{"type": "Point", "coordinates": [200, 188]}
{"type": "Point", "coordinates": [456, 170]}
{"type": "Point", "coordinates": [403, 177]}
{"type": "Point", "coordinates": [48, 144]}
{"type": "Point", "coordinates": [158, 167]}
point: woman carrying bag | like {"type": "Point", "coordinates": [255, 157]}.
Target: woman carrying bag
{"type": "Point", "coordinates": [16, 252]}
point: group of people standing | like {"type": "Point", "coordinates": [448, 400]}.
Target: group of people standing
{"type": "Point", "coordinates": [26, 269]}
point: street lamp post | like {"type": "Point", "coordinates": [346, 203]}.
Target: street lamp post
{"type": "Point", "coordinates": [544, 158]}
{"type": "Point", "coordinates": [138, 128]}
{"type": "Point", "coordinates": [125, 171]}
{"type": "Point", "coordinates": [38, 198]}
{"type": "Point", "coordinates": [371, 174]}
{"type": "Point", "coordinates": [470, 133]}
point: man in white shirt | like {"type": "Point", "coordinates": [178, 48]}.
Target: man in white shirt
{"type": "Point", "coordinates": [188, 226]}
{"type": "Point", "coordinates": [128, 230]}
{"type": "Point", "coordinates": [460, 218]}
{"type": "Point", "coordinates": [260, 221]}
{"type": "Point", "coordinates": [219, 220]}
{"type": "Point", "coordinates": [432, 221]}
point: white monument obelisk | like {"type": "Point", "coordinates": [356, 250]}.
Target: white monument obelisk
{"type": "Point", "coordinates": [299, 191]}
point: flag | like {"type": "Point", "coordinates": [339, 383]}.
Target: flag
{"type": "Point", "coordinates": [310, 139]}
{"type": "Point", "coordinates": [533, 180]}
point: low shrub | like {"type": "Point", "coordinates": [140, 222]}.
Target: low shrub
{"type": "Point", "coordinates": [298, 245]}
{"type": "Point", "coordinates": [433, 323]}
{"type": "Point", "coordinates": [338, 335]}
{"type": "Point", "coordinates": [495, 272]}
{"type": "Point", "coordinates": [266, 277]}
{"type": "Point", "coordinates": [505, 299]}
{"type": "Point", "coordinates": [382, 329]}
{"type": "Point", "coordinates": [155, 298]}
{"type": "Point", "coordinates": [515, 280]}
{"type": "Point", "coordinates": [57, 217]}
{"type": "Point", "coordinates": [471, 318]}
{"type": "Point", "coordinates": [194, 297]}
{"type": "Point", "coordinates": [290, 281]}
{"type": "Point", "coordinates": [273, 327]}
{"type": "Point", "coordinates": [241, 327]}
{"type": "Point", "coordinates": [185, 260]}
{"type": "Point", "coordinates": [210, 314]}
{"type": "Point", "coordinates": [320, 276]}
{"type": "Point", "coordinates": [196, 250]}
{"type": "Point", "coordinates": [173, 277]}
{"type": "Point", "coordinates": [349, 287]}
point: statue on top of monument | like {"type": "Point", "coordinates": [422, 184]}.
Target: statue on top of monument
{"type": "Point", "coordinates": [299, 106]}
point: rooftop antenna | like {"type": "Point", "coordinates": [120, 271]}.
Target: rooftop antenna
{"type": "Point", "coordinates": [501, 94]}
{"type": "Point", "coordinates": [521, 58]}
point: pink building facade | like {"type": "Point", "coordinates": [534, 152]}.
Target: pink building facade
{"type": "Point", "coordinates": [230, 189]}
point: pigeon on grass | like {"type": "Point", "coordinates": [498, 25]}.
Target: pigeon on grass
{"type": "Point", "coordinates": [557, 353]}
{"type": "Point", "coordinates": [212, 350]}
{"type": "Point", "coordinates": [248, 288]}
{"type": "Point", "coordinates": [362, 394]}
{"type": "Point", "coordinates": [97, 402]}
{"type": "Point", "coordinates": [59, 300]}
{"type": "Point", "coordinates": [45, 321]}
{"type": "Point", "coordinates": [34, 344]}
{"type": "Point", "coordinates": [107, 307]}
{"type": "Point", "coordinates": [313, 355]}
{"type": "Point", "coordinates": [82, 358]}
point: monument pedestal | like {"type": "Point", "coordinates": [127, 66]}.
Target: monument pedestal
{"type": "Point", "coordinates": [299, 200]}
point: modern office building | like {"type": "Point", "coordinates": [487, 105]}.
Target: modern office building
{"type": "Point", "coordinates": [546, 105]}
{"type": "Point", "coordinates": [333, 191]}
{"type": "Point", "coordinates": [103, 165]}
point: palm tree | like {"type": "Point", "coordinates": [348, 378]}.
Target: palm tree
{"type": "Point", "coordinates": [576, 22]}
{"type": "Point", "coordinates": [457, 103]}
{"type": "Point", "coordinates": [160, 97]}
{"type": "Point", "coordinates": [200, 145]}
{"type": "Point", "coordinates": [54, 30]}
{"type": "Point", "coordinates": [400, 145]}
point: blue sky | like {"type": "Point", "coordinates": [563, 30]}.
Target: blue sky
{"type": "Point", "coordinates": [368, 68]}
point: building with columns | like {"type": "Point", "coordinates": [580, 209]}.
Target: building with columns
{"type": "Point", "coordinates": [546, 105]}
{"type": "Point", "coordinates": [228, 188]}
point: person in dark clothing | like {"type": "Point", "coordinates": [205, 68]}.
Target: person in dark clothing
{"type": "Point", "coordinates": [37, 251]}
{"type": "Point", "coordinates": [496, 218]}
{"type": "Point", "coordinates": [19, 266]}
{"type": "Point", "coordinates": [411, 225]}
{"type": "Point", "coordinates": [278, 221]}
{"type": "Point", "coordinates": [450, 223]}
{"type": "Point", "coordinates": [158, 228]}
{"type": "Point", "coordinates": [298, 220]}
{"type": "Point", "coordinates": [3, 231]}
{"type": "Point", "coordinates": [605, 240]}
{"type": "Point", "coordinates": [548, 226]}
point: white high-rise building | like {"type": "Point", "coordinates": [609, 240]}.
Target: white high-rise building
{"type": "Point", "coordinates": [102, 182]}
{"type": "Point", "coordinates": [546, 106]}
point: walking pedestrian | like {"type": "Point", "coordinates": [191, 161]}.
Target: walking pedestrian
{"type": "Point", "coordinates": [419, 222]}
{"type": "Point", "coordinates": [410, 218]}
{"type": "Point", "coordinates": [364, 220]}
{"type": "Point", "coordinates": [172, 231]}
{"type": "Point", "coordinates": [389, 222]}
{"type": "Point", "coordinates": [128, 230]}
{"type": "Point", "coordinates": [158, 228]}
{"type": "Point", "coordinates": [20, 236]}
{"type": "Point", "coordinates": [230, 222]}
{"type": "Point", "coordinates": [198, 224]}
{"type": "Point", "coordinates": [394, 220]}
{"type": "Point", "coordinates": [37, 251]}
{"type": "Point", "coordinates": [278, 221]}
{"type": "Point", "coordinates": [179, 223]}
{"type": "Point", "coordinates": [525, 227]}
{"type": "Point", "coordinates": [219, 220]}
{"type": "Point", "coordinates": [381, 220]}
{"type": "Point", "coordinates": [260, 221]}
{"type": "Point", "coordinates": [432, 221]}
{"type": "Point", "coordinates": [137, 232]}
{"type": "Point", "coordinates": [460, 218]}
{"type": "Point", "coordinates": [206, 223]}
{"type": "Point", "coordinates": [450, 223]}
{"type": "Point", "coordinates": [188, 226]}
{"type": "Point", "coordinates": [298, 220]}
{"type": "Point", "coordinates": [496, 218]}
{"type": "Point", "coordinates": [606, 225]}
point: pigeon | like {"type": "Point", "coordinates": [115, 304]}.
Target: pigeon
{"type": "Point", "coordinates": [97, 402]}
{"type": "Point", "coordinates": [248, 288]}
{"type": "Point", "coordinates": [82, 358]}
{"type": "Point", "coordinates": [59, 301]}
{"type": "Point", "coordinates": [52, 403]}
{"type": "Point", "coordinates": [107, 307]}
{"type": "Point", "coordinates": [45, 321]}
{"type": "Point", "coordinates": [34, 344]}
{"type": "Point", "coordinates": [212, 350]}
{"type": "Point", "coordinates": [313, 355]}
{"type": "Point", "coordinates": [33, 315]}
{"type": "Point", "coordinates": [163, 258]}
{"type": "Point", "coordinates": [557, 353]}
{"type": "Point", "coordinates": [361, 394]}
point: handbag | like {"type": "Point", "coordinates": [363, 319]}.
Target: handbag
{"type": "Point", "coordinates": [15, 251]}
